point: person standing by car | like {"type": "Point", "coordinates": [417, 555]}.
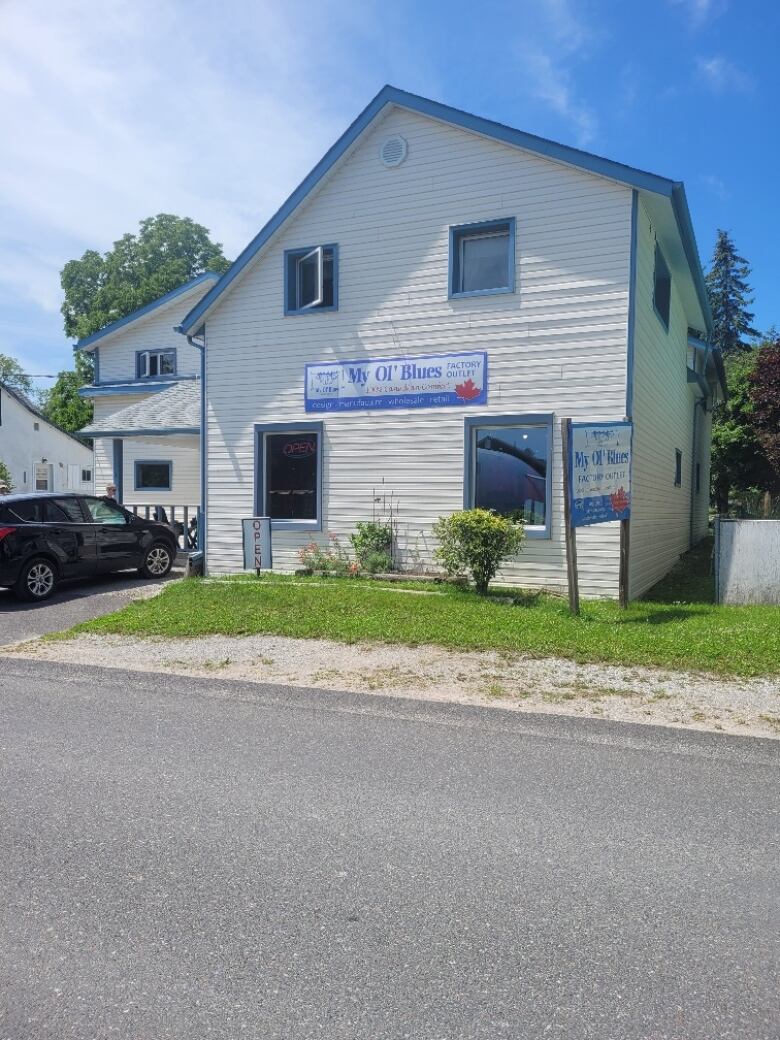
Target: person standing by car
{"type": "Point", "coordinates": [111, 492]}
{"type": "Point", "coordinates": [4, 489]}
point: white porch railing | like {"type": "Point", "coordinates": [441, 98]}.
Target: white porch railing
{"type": "Point", "coordinates": [185, 520]}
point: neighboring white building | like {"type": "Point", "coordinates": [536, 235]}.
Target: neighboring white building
{"type": "Point", "coordinates": [146, 395]}
{"type": "Point", "coordinates": [569, 282]}
{"type": "Point", "coordinates": [39, 455]}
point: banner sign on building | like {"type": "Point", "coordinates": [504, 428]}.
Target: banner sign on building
{"type": "Point", "coordinates": [422, 381]}
{"type": "Point", "coordinates": [600, 467]}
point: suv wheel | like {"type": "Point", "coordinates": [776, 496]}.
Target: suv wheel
{"type": "Point", "coordinates": [158, 560]}
{"type": "Point", "coordinates": [37, 581]}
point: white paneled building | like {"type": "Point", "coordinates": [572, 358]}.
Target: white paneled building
{"type": "Point", "coordinates": [417, 319]}
{"type": "Point", "coordinates": [146, 394]}
{"type": "Point", "coordinates": [39, 455]}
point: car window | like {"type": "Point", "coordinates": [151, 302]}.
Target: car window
{"type": "Point", "coordinates": [103, 512]}
{"type": "Point", "coordinates": [25, 511]}
{"type": "Point", "coordinates": [63, 511]}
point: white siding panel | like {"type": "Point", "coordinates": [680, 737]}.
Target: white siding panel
{"type": "Point", "coordinates": [182, 451]}
{"type": "Point", "coordinates": [558, 344]}
{"type": "Point", "coordinates": [663, 405]}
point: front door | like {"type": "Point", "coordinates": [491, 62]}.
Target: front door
{"type": "Point", "coordinates": [118, 540]}
{"type": "Point", "coordinates": [44, 476]}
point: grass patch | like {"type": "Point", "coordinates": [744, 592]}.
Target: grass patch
{"type": "Point", "coordinates": [673, 628]}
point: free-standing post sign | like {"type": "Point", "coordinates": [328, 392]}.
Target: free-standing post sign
{"type": "Point", "coordinates": [600, 460]}
{"type": "Point", "coordinates": [257, 543]}
{"type": "Point", "coordinates": [419, 381]}
{"type": "Point", "coordinates": [597, 471]}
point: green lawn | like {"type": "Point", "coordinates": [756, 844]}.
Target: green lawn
{"type": "Point", "coordinates": [678, 627]}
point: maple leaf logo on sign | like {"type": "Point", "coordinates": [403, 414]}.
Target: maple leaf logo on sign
{"type": "Point", "coordinates": [620, 500]}
{"type": "Point", "coordinates": [467, 391]}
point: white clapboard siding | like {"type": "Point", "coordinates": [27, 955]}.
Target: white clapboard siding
{"type": "Point", "coordinates": [558, 344]}
{"type": "Point", "coordinates": [663, 404]}
{"type": "Point", "coordinates": [182, 451]}
{"type": "Point", "coordinates": [154, 332]}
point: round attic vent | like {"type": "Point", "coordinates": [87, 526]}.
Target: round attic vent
{"type": "Point", "coordinates": [392, 151]}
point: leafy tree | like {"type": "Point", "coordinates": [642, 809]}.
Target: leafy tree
{"type": "Point", "coordinates": [730, 298]}
{"type": "Point", "coordinates": [5, 476]}
{"type": "Point", "coordinates": [739, 462]}
{"type": "Point", "coordinates": [764, 394]}
{"type": "Point", "coordinates": [167, 252]}
{"type": "Point", "coordinates": [62, 404]}
{"type": "Point", "coordinates": [12, 374]}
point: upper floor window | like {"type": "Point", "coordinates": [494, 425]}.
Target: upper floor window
{"type": "Point", "coordinates": [311, 279]}
{"type": "Point", "coordinates": [150, 363]}
{"type": "Point", "coordinates": [482, 258]}
{"type": "Point", "coordinates": [662, 288]}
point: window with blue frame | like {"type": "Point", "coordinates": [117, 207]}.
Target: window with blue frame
{"type": "Point", "coordinates": [509, 469]}
{"type": "Point", "coordinates": [288, 474]}
{"type": "Point", "coordinates": [482, 258]}
{"type": "Point", "coordinates": [311, 279]}
{"type": "Point", "coordinates": [153, 476]}
{"type": "Point", "coordinates": [677, 468]}
{"type": "Point", "coordinates": [152, 363]}
{"type": "Point", "coordinates": [662, 288]}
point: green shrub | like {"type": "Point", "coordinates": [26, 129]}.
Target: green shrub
{"type": "Point", "coordinates": [373, 545]}
{"type": "Point", "coordinates": [5, 476]}
{"type": "Point", "coordinates": [476, 541]}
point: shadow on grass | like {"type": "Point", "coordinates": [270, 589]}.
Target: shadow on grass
{"type": "Point", "coordinates": [665, 617]}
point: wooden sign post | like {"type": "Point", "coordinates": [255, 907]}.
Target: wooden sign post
{"type": "Point", "coordinates": [571, 532]}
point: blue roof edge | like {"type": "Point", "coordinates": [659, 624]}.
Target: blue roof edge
{"type": "Point", "coordinates": [617, 171]}
{"type": "Point", "coordinates": [146, 309]}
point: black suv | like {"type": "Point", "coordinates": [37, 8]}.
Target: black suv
{"type": "Point", "coordinates": [48, 537]}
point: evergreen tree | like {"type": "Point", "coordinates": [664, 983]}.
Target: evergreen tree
{"type": "Point", "coordinates": [730, 297]}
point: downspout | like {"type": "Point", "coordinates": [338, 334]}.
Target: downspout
{"type": "Point", "coordinates": [201, 347]}
{"type": "Point", "coordinates": [699, 403]}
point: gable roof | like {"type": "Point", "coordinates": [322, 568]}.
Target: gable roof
{"type": "Point", "coordinates": [89, 341]}
{"type": "Point", "coordinates": [26, 403]}
{"type": "Point", "coordinates": [649, 184]}
{"type": "Point", "coordinates": [175, 410]}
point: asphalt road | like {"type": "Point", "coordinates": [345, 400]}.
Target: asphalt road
{"type": "Point", "coordinates": [74, 601]}
{"type": "Point", "coordinates": [191, 859]}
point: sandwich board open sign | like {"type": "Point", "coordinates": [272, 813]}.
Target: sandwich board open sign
{"type": "Point", "coordinates": [257, 543]}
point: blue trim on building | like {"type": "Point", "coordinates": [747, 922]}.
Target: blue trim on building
{"type": "Point", "coordinates": [207, 276]}
{"type": "Point", "coordinates": [118, 460]}
{"type": "Point", "coordinates": [632, 291]}
{"type": "Point", "coordinates": [165, 431]}
{"type": "Point", "coordinates": [302, 252]}
{"type": "Point", "coordinates": [137, 386]}
{"type": "Point", "coordinates": [152, 462]}
{"type": "Point", "coordinates": [639, 179]}
{"type": "Point", "coordinates": [473, 422]}
{"type": "Point", "coordinates": [459, 231]}
{"type": "Point", "coordinates": [204, 487]}
{"type": "Point", "coordinates": [310, 426]}
{"type": "Point", "coordinates": [158, 351]}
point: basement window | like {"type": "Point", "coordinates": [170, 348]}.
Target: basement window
{"type": "Point", "coordinates": [311, 279]}
{"type": "Point", "coordinates": [662, 288]}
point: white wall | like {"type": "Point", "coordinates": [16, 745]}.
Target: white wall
{"type": "Point", "coordinates": [182, 451]}
{"type": "Point", "coordinates": [663, 405]}
{"type": "Point", "coordinates": [26, 439]}
{"type": "Point", "coordinates": [154, 332]}
{"type": "Point", "coordinates": [557, 344]}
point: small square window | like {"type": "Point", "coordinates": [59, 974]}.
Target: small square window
{"type": "Point", "coordinates": [662, 288]}
{"type": "Point", "coordinates": [153, 476]}
{"type": "Point", "coordinates": [311, 279]}
{"type": "Point", "coordinates": [677, 468]}
{"type": "Point", "coordinates": [86, 476]}
{"type": "Point", "coordinates": [482, 258]}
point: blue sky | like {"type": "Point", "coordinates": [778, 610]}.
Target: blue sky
{"type": "Point", "coordinates": [111, 112]}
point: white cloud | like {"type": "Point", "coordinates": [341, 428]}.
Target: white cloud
{"type": "Point", "coordinates": [721, 75]}
{"type": "Point", "coordinates": [553, 40]}
{"type": "Point", "coordinates": [112, 112]}
{"type": "Point", "coordinates": [701, 12]}
{"type": "Point", "coordinates": [716, 186]}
